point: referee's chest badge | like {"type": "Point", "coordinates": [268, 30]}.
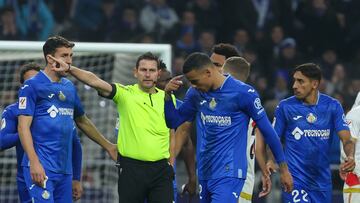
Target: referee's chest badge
{"type": "Point", "coordinates": [311, 118]}
{"type": "Point", "coordinates": [62, 96]}
{"type": "Point", "coordinates": [212, 104]}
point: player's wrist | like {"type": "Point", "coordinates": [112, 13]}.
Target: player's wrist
{"type": "Point", "coordinates": [283, 166]}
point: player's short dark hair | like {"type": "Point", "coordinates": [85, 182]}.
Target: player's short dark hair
{"type": "Point", "coordinates": [196, 61]}
{"type": "Point", "coordinates": [27, 67]}
{"type": "Point", "coordinates": [162, 65]}
{"type": "Point", "coordinates": [148, 56]}
{"type": "Point", "coordinates": [54, 42]}
{"type": "Point", "coordinates": [226, 50]}
{"type": "Point", "coordinates": [310, 70]}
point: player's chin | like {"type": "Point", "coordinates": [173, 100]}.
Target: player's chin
{"type": "Point", "coordinates": [63, 74]}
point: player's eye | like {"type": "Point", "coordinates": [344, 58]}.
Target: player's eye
{"type": "Point", "coordinates": [217, 64]}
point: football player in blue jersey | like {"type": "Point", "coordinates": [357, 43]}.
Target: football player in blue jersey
{"type": "Point", "coordinates": [307, 122]}
{"type": "Point", "coordinates": [222, 106]}
{"type": "Point", "coordinates": [10, 138]}
{"type": "Point", "coordinates": [47, 108]}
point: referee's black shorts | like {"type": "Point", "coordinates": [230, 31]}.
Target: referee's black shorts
{"type": "Point", "coordinates": [140, 180]}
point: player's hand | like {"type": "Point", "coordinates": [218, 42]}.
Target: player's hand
{"type": "Point", "coordinates": [348, 165]}
{"type": "Point", "coordinates": [286, 179]}
{"type": "Point", "coordinates": [271, 167]}
{"type": "Point", "coordinates": [266, 185]}
{"type": "Point", "coordinates": [58, 65]}
{"type": "Point", "coordinates": [113, 152]}
{"type": "Point", "coordinates": [189, 187]}
{"type": "Point", "coordinates": [342, 174]}
{"type": "Point", "coordinates": [174, 84]}
{"type": "Point", "coordinates": [77, 190]}
{"type": "Point", "coordinates": [37, 173]}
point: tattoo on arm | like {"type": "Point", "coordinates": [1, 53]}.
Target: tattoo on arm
{"type": "Point", "coordinates": [349, 148]}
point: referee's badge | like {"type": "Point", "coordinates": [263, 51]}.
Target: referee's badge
{"type": "Point", "coordinates": [45, 194]}
{"type": "Point", "coordinates": [212, 104]}
{"type": "Point", "coordinates": [62, 96]}
{"type": "Point", "coordinates": [311, 118]}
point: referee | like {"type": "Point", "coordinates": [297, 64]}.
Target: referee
{"type": "Point", "coordinates": [143, 137]}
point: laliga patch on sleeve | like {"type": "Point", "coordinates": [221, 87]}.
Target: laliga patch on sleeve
{"type": "Point", "coordinates": [22, 102]}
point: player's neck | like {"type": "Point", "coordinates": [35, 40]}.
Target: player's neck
{"type": "Point", "coordinates": [218, 81]}
{"type": "Point", "coordinates": [51, 74]}
{"type": "Point", "coordinates": [312, 99]}
{"type": "Point", "coordinates": [151, 90]}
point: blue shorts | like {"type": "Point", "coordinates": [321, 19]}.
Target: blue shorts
{"type": "Point", "coordinates": [302, 195]}
{"type": "Point", "coordinates": [221, 190]}
{"type": "Point", "coordinates": [58, 187]}
{"type": "Point", "coordinates": [22, 189]}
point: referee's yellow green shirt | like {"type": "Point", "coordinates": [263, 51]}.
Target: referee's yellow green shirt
{"type": "Point", "coordinates": [143, 134]}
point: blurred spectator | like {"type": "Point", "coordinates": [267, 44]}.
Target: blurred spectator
{"type": "Point", "coordinates": [207, 14]}
{"type": "Point", "coordinates": [8, 29]}
{"type": "Point", "coordinates": [206, 42]}
{"type": "Point", "coordinates": [289, 57]}
{"type": "Point", "coordinates": [147, 38]}
{"type": "Point", "coordinates": [241, 40]}
{"type": "Point", "coordinates": [128, 29]}
{"type": "Point", "coordinates": [33, 18]}
{"type": "Point", "coordinates": [187, 43]}
{"type": "Point", "coordinates": [338, 80]}
{"type": "Point", "coordinates": [87, 20]}
{"type": "Point", "coordinates": [257, 67]}
{"type": "Point", "coordinates": [158, 16]}
{"type": "Point", "coordinates": [110, 20]}
{"type": "Point", "coordinates": [327, 63]}
{"type": "Point", "coordinates": [322, 29]}
{"type": "Point", "coordinates": [281, 88]}
{"type": "Point", "coordinates": [187, 24]}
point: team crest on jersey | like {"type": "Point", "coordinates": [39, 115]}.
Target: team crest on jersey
{"type": "Point", "coordinates": [212, 103]}
{"type": "Point", "coordinates": [62, 96]}
{"type": "Point", "coordinates": [311, 118]}
{"type": "Point", "coordinates": [3, 123]}
{"type": "Point", "coordinates": [45, 194]}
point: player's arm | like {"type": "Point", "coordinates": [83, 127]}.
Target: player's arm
{"type": "Point", "coordinates": [349, 149]}
{"type": "Point", "coordinates": [188, 154]}
{"type": "Point", "coordinates": [88, 127]}
{"type": "Point", "coordinates": [86, 77]}
{"type": "Point", "coordinates": [37, 171]}
{"type": "Point", "coordinates": [172, 147]}
{"type": "Point", "coordinates": [8, 138]}
{"type": "Point", "coordinates": [76, 163]}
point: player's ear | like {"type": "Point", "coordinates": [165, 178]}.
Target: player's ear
{"type": "Point", "coordinates": [48, 59]}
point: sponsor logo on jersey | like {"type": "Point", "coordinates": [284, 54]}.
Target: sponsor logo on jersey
{"type": "Point", "coordinates": [257, 103]}
{"type": "Point", "coordinates": [311, 118]}
{"type": "Point", "coordinates": [212, 104]}
{"type": "Point", "coordinates": [53, 111]}
{"type": "Point", "coordinates": [45, 194]}
{"type": "Point", "coordinates": [251, 90]}
{"type": "Point", "coordinates": [51, 96]}
{"type": "Point", "coordinates": [217, 120]}
{"type": "Point", "coordinates": [22, 102]}
{"type": "Point", "coordinates": [297, 118]}
{"type": "Point", "coordinates": [202, 102]}
{"type": "Point", "coordinates": [298, 133]}
{"type": "Point", "coordinates": [23, 87]}
{"type": "Point", "coordinates": [3, 123]}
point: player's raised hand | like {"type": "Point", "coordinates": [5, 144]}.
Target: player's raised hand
{"type": "Point", "coordinates": [348, 165]}
{"type": "Point", "coordinates": [286, 179]}
{"type": "Point", "coordinates": [37, 173]}
{"type": "Point", "coordinates": [174, 84]}
{"type": "Point", "coordinates": [266, 185]}
{"type": "Point", "coordinates": [58, 65]}
{"type": "Point", "coordinates": [77, 190]}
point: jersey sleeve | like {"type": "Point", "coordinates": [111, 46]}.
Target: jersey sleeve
{"type": "Point", "coordinates": [8, 133]}
{"type": "Point", "coordinates": [251, 104]}
{"type": "Point", "coordinates": [76, 156]}
{"type": "Point", "coordinates": [339, 118]}
{"type": "Point", "coordinates": [279, 122]}
{"type": "Point", "coordinates": [78, 108]}
{"type": "Point", "coordinates": [185, 112]}
{"type": "Point", "coordinates": [354, 125]}
{"type": "Point", "coordinates": [117, 93]}
{"type": "Point", "coordinates": [27, 100]}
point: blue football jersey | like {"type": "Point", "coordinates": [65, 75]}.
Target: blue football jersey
{"type": "Point", "coordinates": [9, 136]}
{"type": "Point", "coordinates": [53, 106]}
{"type": "Point", "coordinates": [222, 119]}
{"type": "Point", "coordinates": [307, 131]}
